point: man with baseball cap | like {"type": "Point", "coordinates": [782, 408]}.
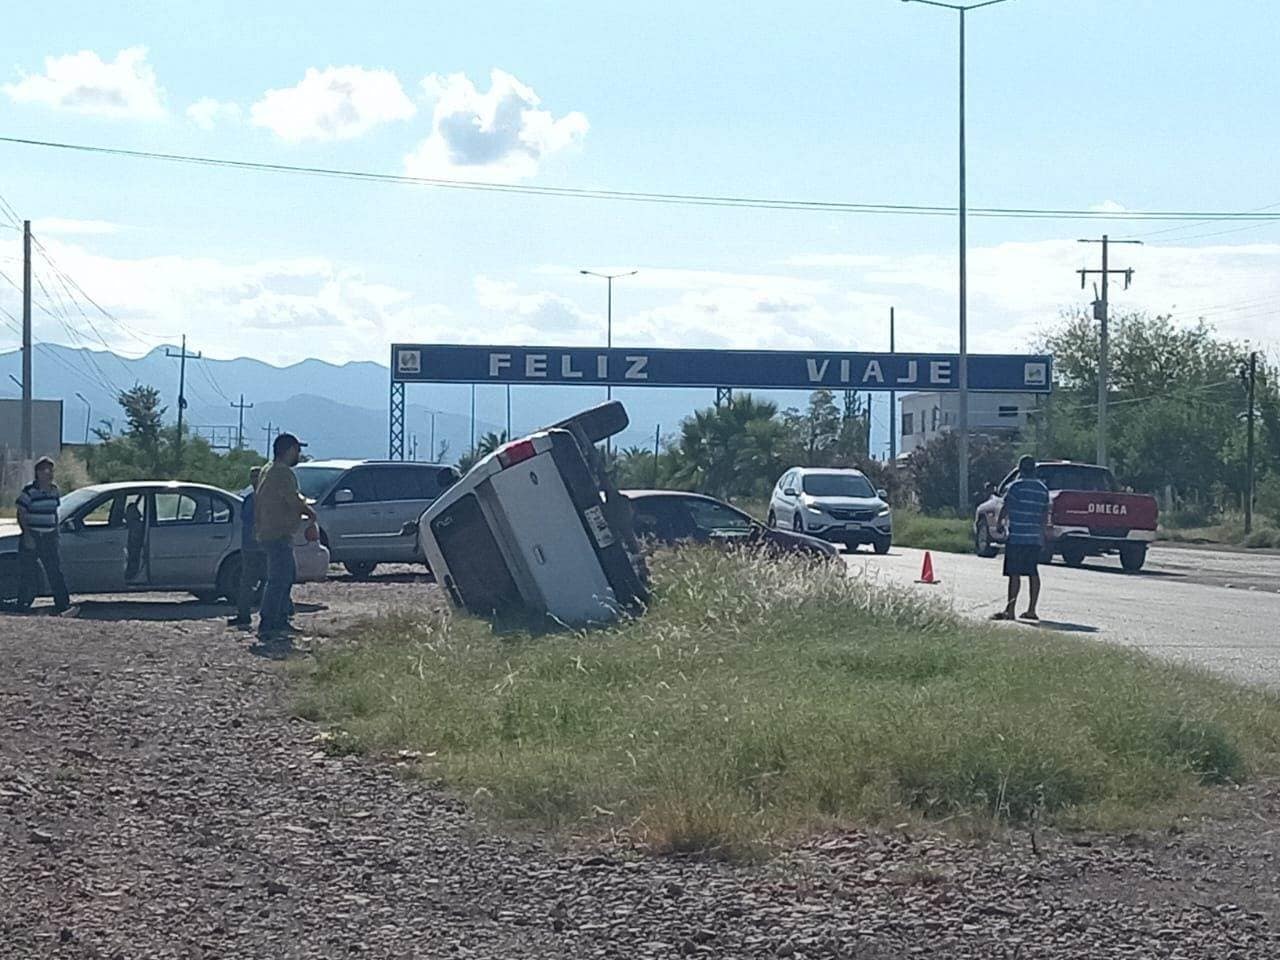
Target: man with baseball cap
{"type": "Point", "coordinates": [279, 508]}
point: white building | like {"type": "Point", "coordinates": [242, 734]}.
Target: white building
{"type": "Point", "coordinates": [923, 416]}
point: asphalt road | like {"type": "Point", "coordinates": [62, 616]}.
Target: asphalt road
{"type": "Point", "coordinates": [1215, 609]}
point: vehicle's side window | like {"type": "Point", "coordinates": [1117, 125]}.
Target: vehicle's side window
{"type": "Point", "coordinates": [220, 510]}
{"type": "Point", "coordinates": [674, 522]}
{"type": "Point", "coordinates": [710, 517]}
{"type": "Point", "coordinates": [189, 507]}
{"type": "Point", "coordinates": [104, 514]}
{"type": "Point", "coordinates": [362, 485]}
{"type": "Point", "coordinates": [403, 483]}
{"type": "Point", "coordinates": [645, 522]}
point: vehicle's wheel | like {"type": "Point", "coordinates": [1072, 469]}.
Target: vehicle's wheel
{"type": "Point", "coordinates": [228, 581]}
{"type": "Point", "coordinates": [1073, 554]}
{"type": "Point", "coordinates": [797, 523]}
{"type": "Point", "coordinates": [360, 569]}
{"type": "Point", "coordinates": [771, 520]}
{"type": "Point", "coordinates": [1046, 554]}
{"type": "Point", "coordinates": [982, 544]}
{"type": "Point", "coordinates": [881, 545]}
{"type": "Point", "coordinates": [1133, 556]}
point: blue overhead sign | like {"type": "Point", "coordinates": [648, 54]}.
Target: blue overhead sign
{"type": "Point", "coordinates": [743, 369]}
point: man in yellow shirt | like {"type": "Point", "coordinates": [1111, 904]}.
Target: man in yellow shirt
{"type": "Point", "coordinates": [279, 508]}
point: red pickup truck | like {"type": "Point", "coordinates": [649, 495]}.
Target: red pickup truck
{"type": "Point", "coordinates": [1089, 515]}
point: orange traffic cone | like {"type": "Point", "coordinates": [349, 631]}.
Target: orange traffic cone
{"type": "Point", "coordinates": [926, 572]}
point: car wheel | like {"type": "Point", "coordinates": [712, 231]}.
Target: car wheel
{"type": "Point", "coordinates": [360, 569]}
{"type": "Point", "coordinates": [1133, 557]}
{"type": "Point", "coordinates": [1046, 554]}
{"type": "Point", "coordinates": [982, 544]}
{"type": "Point", "coordinates": [881, 545]}
{"type": "Point", "coordinates": [797, 523]}
{"type": "Point", "coordinates": [1073, 555]}
{"type": "Point", "coordinates": [228, 581]}
{"type": "Point", "coordinates": [771, 520]}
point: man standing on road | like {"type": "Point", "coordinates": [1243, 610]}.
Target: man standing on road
{"type": "Point", "coordinates": [278, 511]}
{"type": "Point", "coordinates": [253, 562]}
{"type": "Point", "coordinates": [38, 546]}
{"type": "Point", "coordinates": [1025, 510]}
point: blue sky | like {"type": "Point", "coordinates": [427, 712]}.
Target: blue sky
{"type": "Point", "coordinates": [1146, 105]}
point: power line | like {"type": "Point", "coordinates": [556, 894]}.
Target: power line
{"type": "Point", "coordinates": [689, 199]}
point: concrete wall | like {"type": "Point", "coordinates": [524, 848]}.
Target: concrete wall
{"type": "Point", "coordinates": [923, 416]}
{"type": "Point", "coordinates": [46, 427]}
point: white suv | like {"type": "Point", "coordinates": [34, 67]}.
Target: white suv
{"type": "Point", "coordinates": [837, 505]}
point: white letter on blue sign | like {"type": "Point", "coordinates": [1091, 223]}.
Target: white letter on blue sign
{"type": "Point", "coordinates": [602, 366]}
{"type": "Point", "coordinates": [939, 371]}
{"type": "Point", "coordinates": [817, 373]}
{"type": "Point", "coordinates": [535, 365]}
{"type": "Point", "coordinates": [566, 368]}
{"type": "Point", "coordinates": [873, 372]}
{"type": "Point", "coordinates": [498, 362]}
{"type": "Point", "coordinates": [912, 373]}
{"type": "Point", "coordinates": [635, 370]}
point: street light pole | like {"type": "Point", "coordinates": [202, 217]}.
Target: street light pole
{"type": "Point", "coordinates": [88, 415]}
{"type": "Point", "coordinates": [608, 342]}
{"type": "Point", "coordinates": [963, 378]}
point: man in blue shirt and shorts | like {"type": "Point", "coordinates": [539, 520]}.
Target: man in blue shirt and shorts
{"type": "Point", "coordinates": [1025, 512]}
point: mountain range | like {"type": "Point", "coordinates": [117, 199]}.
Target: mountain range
{"type": "Point", "coordinates": [340, 410]}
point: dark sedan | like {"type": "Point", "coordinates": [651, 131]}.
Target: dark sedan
{"type": "Point", "coordinates": [671, 517]}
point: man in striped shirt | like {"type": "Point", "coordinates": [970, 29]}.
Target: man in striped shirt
{"type": "Point", "coordinates": [38, 545]}
{"type": "Point", "coordinates": [1025, 511]}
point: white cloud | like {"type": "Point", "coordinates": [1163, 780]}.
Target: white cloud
{"type": "Point", "coordinates": [206, 113]}
{"type": "Point", "coordinates": [499, 135]}
{"type": "Point", "coordinates": [336, 103]}
{"type": "Point", "coordinates": [63, 226]}
{"type": "Point", "coordinates": [82, 82]}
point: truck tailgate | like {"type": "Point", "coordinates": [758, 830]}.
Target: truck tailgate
{"type": "Point", "coordinates": [1102, 511]}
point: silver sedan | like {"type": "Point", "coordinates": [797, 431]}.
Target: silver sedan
{"type": "Point", "coordinates": [151, 536]}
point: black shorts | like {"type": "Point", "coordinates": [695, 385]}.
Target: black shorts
{"type": "Point", "coordinates": [1021, 560]}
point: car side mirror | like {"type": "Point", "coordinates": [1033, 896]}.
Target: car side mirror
{"type": "Point", "coordinates": [789, 492]}
{"type": "Point", "coordinates": [344, 496]}
{"type": "Point", "coordinates": [883, 494]}
{"type": "Point", "coordinates": [410, 528]}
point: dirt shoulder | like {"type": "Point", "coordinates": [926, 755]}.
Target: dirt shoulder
{"type": "Point", "coordinates": [157, 800]}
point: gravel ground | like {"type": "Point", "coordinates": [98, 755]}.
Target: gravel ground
{"type": "Point", "coordinates": [157, 800]}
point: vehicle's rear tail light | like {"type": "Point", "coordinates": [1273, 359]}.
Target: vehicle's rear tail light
{"type": "Point", "coordinates": [515, 453]}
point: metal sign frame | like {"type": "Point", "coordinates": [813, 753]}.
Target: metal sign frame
{"type": "Point", "coordinates": [722, 370]}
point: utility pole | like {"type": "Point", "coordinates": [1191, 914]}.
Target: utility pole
{"type": "Point", "coordinates": [270, 436]}
{"type": "Point", "coordinates": [1100, 307]}
{"type": "Point", "coordinates": [1250, 375]}
{"type": "Point", "coordinates": [657, 440]}
{"type": "Point", "coordinates": [28, 451]}
{"type": "Point", "coordinates": [182, 356]}
{"type": "Point", "coordinates": [242, 407]}
{"type": "Point", "coordinates": [432, 456]}
{"type": "Point", "coordinates": [893, 403]}
{"type": "Point", "coordinates": [473, 418]}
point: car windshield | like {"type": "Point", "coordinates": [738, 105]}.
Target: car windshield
{"type": "Point", "coordinates": [75, 500]}
{"type": "Point", "coordinates": [837, 485]}
{"type": "Point", "coordinates": [314, 482]}
{"type": "Point", "coordinates": [1075, 476]}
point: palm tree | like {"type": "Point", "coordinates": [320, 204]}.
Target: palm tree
{"type": "Point", "coordinates": [734, 450]}
{"type": "Point", "coordinates": [486, 445]}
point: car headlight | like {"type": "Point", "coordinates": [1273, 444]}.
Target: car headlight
{"type": "Point", "coordinates": [884, 512]}
{"type": "Point", "coordinates": [816, 511]}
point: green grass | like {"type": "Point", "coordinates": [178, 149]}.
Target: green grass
{"type": "Point", "coordinates": [947, 534]}
{"type": "Point", "coordinates": [1228, 530]}
{"type": "Point", "coordinates": [757, 701]}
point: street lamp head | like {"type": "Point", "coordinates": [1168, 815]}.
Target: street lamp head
{"type": "Point", "coordinates": [585, 272]}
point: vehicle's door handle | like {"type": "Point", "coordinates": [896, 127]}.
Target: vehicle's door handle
{"type": "Point", "coordinates": [223, 537]}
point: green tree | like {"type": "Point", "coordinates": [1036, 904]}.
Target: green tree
{"type": "Point", "coordinates": [935, 468]}
{"type": "Point", "coordinates": [486, 445]}
{"type": "Point", "coordinates": [1175, 406]}
{"type": "Point", "coordinates": [146, 449]}
{"type": "Point", "coordinates": [735, 450]}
